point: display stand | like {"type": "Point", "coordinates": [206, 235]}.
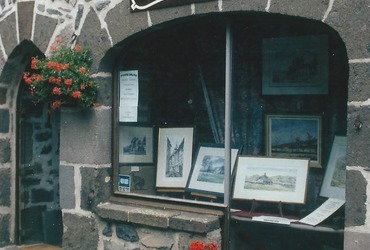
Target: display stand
{"type": "Point", "coordinates": [256, 204]}
{"type": "Point", "coordinates": [211, 198]}
{"type": "Point", "coordinates": [168, 191]}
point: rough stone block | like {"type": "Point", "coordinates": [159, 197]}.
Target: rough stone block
{"type": "Point", "coordinates": [152, 217]}
{"type": "Point", "coordinates": [127, 232]}
{"type": "Point", "coordinates": [4, 150]}
{"type": "Point", "coordinates": [67, 187]}
{"type": "Point", "coordinates": [25, 20]}
{"type": "Point", "coordinates": [355, 208]}
{"type": "Point", "coordinates": [349, 19]}
{"type": "Point", "coordinates": [4, 121]}
{"type": "Point", "coordinates": [8, 26]}
{"type": "Point", "coordinates": [355, 240]}
{"type": "Point", "coordinates": [96, 186]}
{"type": "Point", "coordinates": [4, 229]}
{"type": "Point", "coordinates": [81, 235]}
{"type": "Point", "coordinates": [230, 5]}
{"type": "Point", "coordinates": [158, 241]}
{"type": "Point", "coordinates": [105, 91]}
{"type": "Point", "coordinates": [121, 20]}
{"type": "Point", "coordinates": [5, 177]}
{"type": "Point", "coordinates": [114, 212]}
{"type": "Point", "coordinates": [358, 87]}
{"type": "Point", "coordinates": [192, 222]}
{"type": "Point", "coordinates": [94, 37]}
{"type": "Point", "coordinates": [162, 15]}
{"type": "Point", "coordinates": [358, 136]}
{"type": "Point", "coordinates": [85, 136]}
{"type": "Point", "coordinates": [300, 8]}
{"type": "Point", "coordinates": [44, 29]}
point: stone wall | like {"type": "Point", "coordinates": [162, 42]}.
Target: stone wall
{"type": "Point", "coordinates": [85, 155]}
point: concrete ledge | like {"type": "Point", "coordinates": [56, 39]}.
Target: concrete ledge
{"type": "Point", "coordinates": [160, 218]}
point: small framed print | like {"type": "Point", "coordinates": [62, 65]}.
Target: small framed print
{"type": "Point", "coordinates": [295, 65]}
{"type": "Point", "coordinates": [136, 144]}
{"type": "Point", "coordinates": [294, 136]}
{"type": "Point", "coordinates": [208, 171]}
{"type": "Point", "coordinates": [271, 179]}
{"type": "Point", "coordinates": [334, 183]}
{"type": "Point", "coordinates": [175, 150]}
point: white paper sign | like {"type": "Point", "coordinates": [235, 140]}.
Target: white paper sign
{"type": "Point", "coordinates": [273, 219]}
{"type": "Point", "coordinates": [322, 212]}
{"type": "Point", "coordinates": [128, 114]}
{"type": "Point", "coordinates": [129, 96]}
{"type": "Point", "coordinates": [129, 88]}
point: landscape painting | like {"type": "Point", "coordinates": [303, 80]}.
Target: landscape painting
{"type": "Point", "coordinates": [271, 179]}
{"type": "Point", "coordinates": [212, 169]}
{"type": "Point", "coordinates": [294, 137]}
{"type": "Point", "coordinates": [334, 183]}
{"type": "Point", "coordinates": [208, 171]}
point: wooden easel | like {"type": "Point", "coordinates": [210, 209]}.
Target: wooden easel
{"type": "Point", "coordinates": [211, 198]}
{"type": "Point", "coordinates": [165, 191]}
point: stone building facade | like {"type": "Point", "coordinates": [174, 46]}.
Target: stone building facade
{"type": "Point", "coordinates": [84, 157]}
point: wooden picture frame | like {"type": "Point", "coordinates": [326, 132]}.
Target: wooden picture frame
{"type": "Point", "coordinates": [334, 183]}
{"type": "Point", "coordinates": [207, 174]}
{"type": "Point", "coordinates": [175, 149]}
{"type": "Point", "coordinates": [271, 179]}
{"type": "Point", "coordinates": [294, 136]}
{"type": "Point", "coordinates": [136, 144]}
{"type": "Point", "coordinates": [295, 65]}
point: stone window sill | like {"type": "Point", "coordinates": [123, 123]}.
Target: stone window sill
{"type": "Point", "coordinates": [160, 218]}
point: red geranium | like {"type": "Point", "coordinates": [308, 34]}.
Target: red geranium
{"type": "Point", "coordinates": [67, 66]}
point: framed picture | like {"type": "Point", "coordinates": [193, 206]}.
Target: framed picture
{"type": "Point", "coordinates": [208, 171]}
{"type": "Point", "coordinates": [136, 144]}
{"type": "Point", "coordinates": [295, 65]}
{"type": "Point", "coordinates": [271, 179]}
{"type": "Point", "coordinates": [334, 182]}
{"type": "Point", "coordinates": [137, 179]}
{"type": "Point", "coordinates": [294, 136]}
{"type": "Point", "coordinates": [175, 149]}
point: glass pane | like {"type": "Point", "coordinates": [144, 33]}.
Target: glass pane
{"type": "Point", "coordinates": [179, 76]}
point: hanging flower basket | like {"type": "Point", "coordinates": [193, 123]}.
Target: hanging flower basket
{"type": "Point", "coordinates": [63, 78]}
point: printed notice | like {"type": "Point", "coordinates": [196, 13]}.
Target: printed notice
{"type": "Point", "coordinates": [129, 96]}
{"type": "Point", "coordinates": [129, 88]}
{"type": "Point", "coordinates": [322, 212]}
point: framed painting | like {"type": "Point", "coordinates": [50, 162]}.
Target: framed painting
{"type": "Point", "coordinates": [136, 144]}
{"type": "Point", "coordinates": [295, 65]}
{"type": "Point", "coordinates": [175, 149]}
{"type": "Point", "coordinates": [208, 171]}
{"type": "Point", "coordinates": [294, 136]}
{"type": "Point", "coordinates": [271, 179]}
{"type": "Point", "coordinates": [334, 182]}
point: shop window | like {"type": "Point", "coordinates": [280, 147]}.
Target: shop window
{"type": "Point", "coordinates": [170, 103]}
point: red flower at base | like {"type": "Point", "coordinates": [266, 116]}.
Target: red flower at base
{"type": "Point", "coordinates": [56, 104]}
{"type": "Point", "coordinates": [198, 245]}
{"type": "Point", "coordinates": [76, 94]}
{"type": "Point", "coordinates": [57, 91]}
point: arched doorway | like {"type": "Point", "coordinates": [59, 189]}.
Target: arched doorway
{"type": "Point", "coordinates": [39, 218]}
